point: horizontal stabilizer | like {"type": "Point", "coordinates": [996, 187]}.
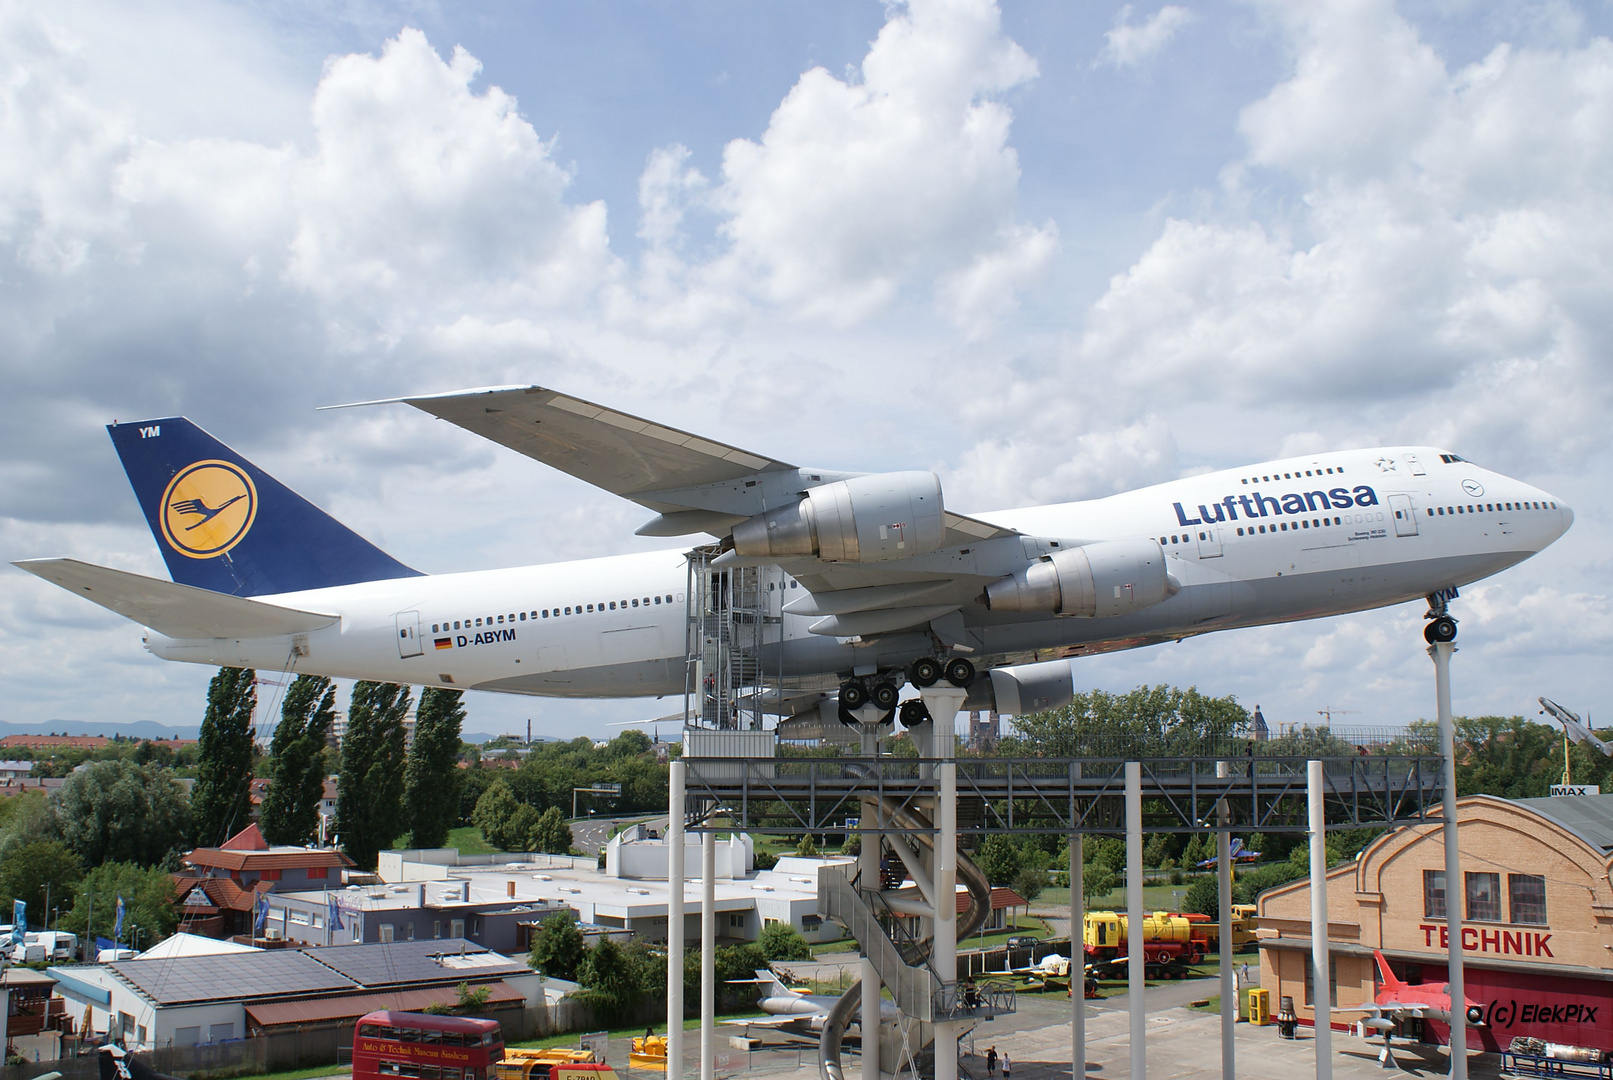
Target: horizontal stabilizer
{"type": "Point", "coordinates": [178, 611]}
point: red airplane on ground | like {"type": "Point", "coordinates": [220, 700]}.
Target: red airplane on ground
{"type": "Point", "coordinates": [1397, 1000]}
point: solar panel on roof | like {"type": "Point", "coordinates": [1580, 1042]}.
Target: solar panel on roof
{"type": "Point", "coordinates": [403, 962]}
{"type": "Point", "coordinates": [231, 977]}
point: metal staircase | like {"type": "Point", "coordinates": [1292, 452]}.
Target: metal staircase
{"type": "Point", "coordinates": [912, 986]}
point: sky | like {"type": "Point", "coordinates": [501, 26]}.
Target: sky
{"type": "Point", "coordinates": [1049, 251]}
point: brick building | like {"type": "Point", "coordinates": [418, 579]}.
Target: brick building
{"type": "Point", "coordinates": [1537, 920]}
{"type": "Point", "coordinates": [219, 887]}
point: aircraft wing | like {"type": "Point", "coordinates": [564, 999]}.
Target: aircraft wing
{"type": "Point", "coordinates": [178, 611]}
{"type": "Point", "coordinates": [625, 455]}
{"type": "Point", "coordinates": [795, 1020]}
{"type": "Point", "coordinates": [1396, 1009]}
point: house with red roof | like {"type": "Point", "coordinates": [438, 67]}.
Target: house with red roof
{"type": "Point", "coordinates": [219, 887]}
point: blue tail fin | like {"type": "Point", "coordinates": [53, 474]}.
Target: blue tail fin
{"type": "Point", "coordinates": [223, 524]}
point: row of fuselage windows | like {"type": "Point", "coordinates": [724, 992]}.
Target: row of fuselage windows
{"type": "Point", "coordinates": [1295, 475]}
{"type": "Point", "coordinates": [550, 613]}
{"type": "Point", "coordinates": [1489, 508]}
{"type": "Point", "coordinates": [1309, 523]}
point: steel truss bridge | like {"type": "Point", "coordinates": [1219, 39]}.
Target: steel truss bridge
{"type": "Point", "coordinates": [1062, 796]}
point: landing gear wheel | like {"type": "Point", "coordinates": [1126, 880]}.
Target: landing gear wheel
{"type": "Point", "coordinates": [923, 672]}
{"type": "Point", "coordinates": [913, 713]}
{"type": "Point", "coordinates": [853, 694]}
{"type": "Point", "coordinates": [886, 695]}
{"type": "Point", "coordinates": [1439, 630]}
{"type": "Point", "coordinates": [960, 672]}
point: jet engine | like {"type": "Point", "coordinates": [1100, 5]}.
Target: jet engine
{"type": "Point", "coordinates": [863, 520]}
{"type": "Point", "coordinates": [1111, 577]}
{"type": "Point", "coordinates": [1028, 688]}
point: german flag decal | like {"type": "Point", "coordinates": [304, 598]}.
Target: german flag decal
{"type": "Point", "coordinates": [444, 643]}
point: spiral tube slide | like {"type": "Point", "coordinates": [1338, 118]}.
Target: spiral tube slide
{"type": "Point", "coordinates": [842, 1014]}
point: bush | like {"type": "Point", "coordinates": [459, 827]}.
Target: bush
{"type": "Point", "coordinates": [780, 941]}
{"type": "Point", "coordinates": [765, 860]}
{"type": "Point", "coordinates": [557, 947]}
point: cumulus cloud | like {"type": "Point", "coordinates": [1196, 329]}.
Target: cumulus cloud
{"type": "Point", "coordinates": [860, 186]}
{"type": "Point", "coordinates": [1130, 44]}
{"type": "Point", "coordinates": [1449, 234]}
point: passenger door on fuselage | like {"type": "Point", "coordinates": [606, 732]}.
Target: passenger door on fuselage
{"type": "Point", "coordinates": [1405, 515]}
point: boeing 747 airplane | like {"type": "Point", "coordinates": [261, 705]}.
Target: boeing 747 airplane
{"type": "Point", "coordinates": [875, 580]}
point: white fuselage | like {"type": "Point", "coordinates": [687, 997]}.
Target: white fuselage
{"type": "Point", "coordinates": [1280, 541]}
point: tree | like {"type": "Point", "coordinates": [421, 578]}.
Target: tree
{"type": "Point", "coordinates": [806, 849]}
{"type": "Point", "coordinates": [37, 870]}
{"type": "Point", "coordinates": [550, 833]}
{"type": "Point", "coordinates": [148, 902]}
{"type": "Point", "coordinates": [291, 807]}
{"type": "Point", "coordinates": [28, 818]}
{"type": "Point", "coordinates": [610, 979]}
{"type": "Point", "coordinates": [369, 787]}
{"type": "Point", "coordinates": [221, 798]}
{"type": "Point", "coordinates": [999, 858]}
{"type": "Point", "coordinates": [1030, 881]}
{"type": "Point", "coordinates": [1203, 897]}
{"type": "Point", "coordinates": [557, 947]}
{"type": "Point", "coordinates": [780, 941]}
{"type": "Point", "coordinates": [1098, 880]}
{"type": "Point", "coordinates": [431, 776]}
{"type": "Point", "coordinates": [117, 811]}
{"type": "Point", "coordinates": [495, 813]}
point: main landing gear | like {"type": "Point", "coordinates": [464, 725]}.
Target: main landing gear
{"type": "Point", "coordinates": [884, 691]}
{"type": "Point", "coordinates": [1441, 627]}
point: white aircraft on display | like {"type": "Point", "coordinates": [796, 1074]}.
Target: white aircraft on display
{"type": "Point", "coordinates": [873, 580]}
{"type": "Point", "coordinates": [792, 1011]}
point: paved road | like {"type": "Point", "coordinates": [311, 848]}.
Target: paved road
{"type": "Point", "coordinates": [588, 835]}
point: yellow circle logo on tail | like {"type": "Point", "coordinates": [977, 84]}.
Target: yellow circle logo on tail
{"type": "Point", "coordinates": [208, 508]}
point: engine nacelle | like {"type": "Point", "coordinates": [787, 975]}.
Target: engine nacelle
{"type": "Point", "coordinates": [863, 520]}
{"type": "Point", "coordinates": [1111, 577]}
{"type": "Point", "coordinates": [1028, 688]}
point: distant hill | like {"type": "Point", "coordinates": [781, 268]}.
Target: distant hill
{"type": "Point", "coordinates": [139, 729]}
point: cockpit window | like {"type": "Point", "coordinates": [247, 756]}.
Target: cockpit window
{"type": "Point", "coordinates": [1452, 459]}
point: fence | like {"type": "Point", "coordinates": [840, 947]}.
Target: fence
{"type": "Point", "coordinates": [309, 1045]}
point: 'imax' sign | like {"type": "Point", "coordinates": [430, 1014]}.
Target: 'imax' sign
{"type": "Point", "coordinates": [1575, 789]}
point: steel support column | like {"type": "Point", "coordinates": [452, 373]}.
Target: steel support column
{"type": "Point", "coordinates": [1078, 967]}
{"type": "Point", "coordinates": [708, 955]}
{"type": "Point", "coordinates": [1135, 971]}
{"type": "Point", "coordinates": [1321, 967]}
{"type": "Point", "coordinates": [1455, 893]}
{"type": "Point", "coordinates": [868, 872]}
{"type": "Point", "coordinates": [1223, 892]}
{"type": "Point", "coordinates": [674, 922]}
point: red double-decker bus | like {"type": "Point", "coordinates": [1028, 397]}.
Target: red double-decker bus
{"type": "Point", "coordinates": [420, 1046]}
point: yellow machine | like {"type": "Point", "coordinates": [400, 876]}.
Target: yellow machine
{"type": "Point", "coordinates": [527, 1064]}
{"type": "Point", "coordinates": [649, 1052]}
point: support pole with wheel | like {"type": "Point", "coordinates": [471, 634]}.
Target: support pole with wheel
{"type": "Point", "coordinates": [1454, 892]}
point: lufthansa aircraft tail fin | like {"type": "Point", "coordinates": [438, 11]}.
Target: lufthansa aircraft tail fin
{"type": "Point", "coordinates": [225, 525]}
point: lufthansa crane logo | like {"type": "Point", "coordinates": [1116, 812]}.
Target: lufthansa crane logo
{"type": "Point", "coordinates": [208, 508]}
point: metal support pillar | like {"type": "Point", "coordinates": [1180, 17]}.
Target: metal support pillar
{"type": "Point", "coordinates": [1223, 882]}
{"type": "Point", "coordinates": [1135, 970]}
{"type": "Point", "coordinates": [708, 955]}
{"type": "Point", "coordinates": [868, 859]}
{"type": "Point", "coordinates": [945, 950]}
{"type": "Point", "coordinates": [1455, 893]}
{"type": "Point", "coordinates": [674, 923]}
{"type": "Point", "coordinates": [1321, 967]}
{"type": "Point", "coordinates": [1078, 967]}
